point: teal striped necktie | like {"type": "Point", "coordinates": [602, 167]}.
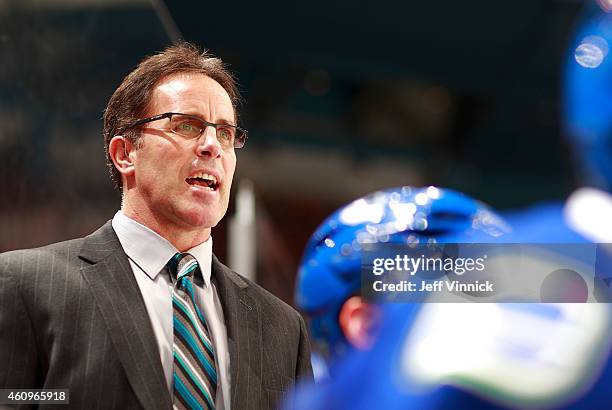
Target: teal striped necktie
{"type": "Point", "coordinates": [195, 373]}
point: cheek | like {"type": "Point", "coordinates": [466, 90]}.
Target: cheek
{"type": "Point", "coordinates": [166, 163]}
{"type": "Point", "coordinates": [155, 172]}
{"type": "Point", "coordinates": [230, 167]}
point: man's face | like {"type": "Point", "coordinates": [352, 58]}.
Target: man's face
{"type": "Point", "coordinates": [166, 164]}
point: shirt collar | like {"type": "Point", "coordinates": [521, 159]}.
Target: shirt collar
{"type": "Point", "coordinates": [203, 254]}
{"type": "Point", "coordinates": [151, 252]}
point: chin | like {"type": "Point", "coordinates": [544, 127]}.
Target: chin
{"type": "Point", "coordinates": [199, 218]}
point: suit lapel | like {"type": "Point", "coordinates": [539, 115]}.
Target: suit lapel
{"type": "Point", "coordinates": [118, 297]}
{"type": "Point", "coordinates": [243, 322]}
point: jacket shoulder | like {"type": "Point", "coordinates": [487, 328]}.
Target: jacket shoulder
{"type": "Point", "coordinates": [267, 301]}
{"type": "Point", "coordinates": [66, 252]}
{"type": "Point", "coordinates": [22, 258]}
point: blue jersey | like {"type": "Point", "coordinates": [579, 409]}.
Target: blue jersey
{"type": "Point", "coordinates": [483, 356]}
{"type": "Point", "coordinates": [416, 366]}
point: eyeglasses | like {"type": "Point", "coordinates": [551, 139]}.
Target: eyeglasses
{"type": "Point", "coordinates": [191, 127]}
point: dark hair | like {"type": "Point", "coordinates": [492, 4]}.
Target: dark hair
{"type": "Point", "coordinates": [131, 99]}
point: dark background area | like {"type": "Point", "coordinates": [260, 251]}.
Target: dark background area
{"type": "Point", "coordinates": [342, 98]}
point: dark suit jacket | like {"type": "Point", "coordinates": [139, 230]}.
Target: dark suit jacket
{"type": "Point", "coordinates": [72, 316]}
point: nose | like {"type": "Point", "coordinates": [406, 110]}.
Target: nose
{"type": "Point", "coordinates": [208, 145]}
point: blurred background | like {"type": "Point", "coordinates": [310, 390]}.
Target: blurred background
{"type": "Point", "coordinates": [342, 98]}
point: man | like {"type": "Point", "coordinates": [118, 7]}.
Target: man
{"type": "Point", "coordinates": [329, 280]}
{"type": "Point", "coordinates": [141, 314]}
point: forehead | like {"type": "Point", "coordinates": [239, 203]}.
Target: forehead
{"type": "Point", "coordinates": [191, 93]}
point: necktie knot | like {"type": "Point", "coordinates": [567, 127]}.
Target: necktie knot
{"type": "Point", "coordinates": [181, 265]}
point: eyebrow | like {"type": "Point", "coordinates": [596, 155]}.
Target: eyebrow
{"type": "Point", "coordinates": [219, 121]}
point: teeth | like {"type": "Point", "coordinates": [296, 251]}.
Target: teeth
{"type": "Point", "coordinates": [211, 181]}
{"type": "Point", "coordinates": [203, 175]}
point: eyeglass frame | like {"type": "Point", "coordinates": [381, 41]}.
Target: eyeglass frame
{"type": "Point", "coordinates": [169, 115]}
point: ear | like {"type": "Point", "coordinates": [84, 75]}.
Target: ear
{"type": "Point", "coordinates": [359, 322]}
{"type": "Point", "coordinates": [120, 150]}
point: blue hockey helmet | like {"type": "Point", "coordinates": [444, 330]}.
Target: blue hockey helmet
{"type": "Point", "coordinates": [587, 98]}
{"type": "Point", "coordinates": [330, 269]}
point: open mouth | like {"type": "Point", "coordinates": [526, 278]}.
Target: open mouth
{"type": "Point", "coordinates": [203, 180]}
